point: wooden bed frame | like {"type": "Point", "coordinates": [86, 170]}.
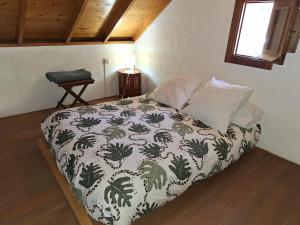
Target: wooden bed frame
{"type": "Point", "coordinates": [159, 216]}
{"type": "Point", "coordinates": [79, 212]}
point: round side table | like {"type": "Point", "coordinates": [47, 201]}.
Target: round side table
{"type": "Point", "coordinates": [129, 82]}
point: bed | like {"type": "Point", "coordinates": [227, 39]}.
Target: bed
{"type": "Point", "coordinates": [126, 158]}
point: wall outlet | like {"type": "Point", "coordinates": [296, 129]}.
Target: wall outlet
{"type": "Point", "coordinates": [105, 61]}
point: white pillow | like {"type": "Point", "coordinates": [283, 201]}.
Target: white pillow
{"type": "Point", "coordinates": [248, 116]}
{"type": "Point", "coordinates": [216, 102]}
{"type": "Point", "coordinates": [176, 91]}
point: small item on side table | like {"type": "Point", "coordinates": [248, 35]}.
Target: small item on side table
{"type": "Point", "coordinates": [69, 79]}
{"type": "Point", "coordinates": [129, 82]}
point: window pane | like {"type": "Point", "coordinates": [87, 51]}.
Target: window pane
{"type": "Point", "coordinates": [254, 28]}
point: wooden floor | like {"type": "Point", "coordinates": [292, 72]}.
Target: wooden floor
{"type": "Point", "coordinates": [260, 189]}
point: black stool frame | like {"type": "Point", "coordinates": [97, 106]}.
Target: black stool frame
{"type": "Point", "coordinates": [68, 87]}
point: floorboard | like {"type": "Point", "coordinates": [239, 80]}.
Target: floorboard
{"type": "Point", "coordinates": [260, 189]}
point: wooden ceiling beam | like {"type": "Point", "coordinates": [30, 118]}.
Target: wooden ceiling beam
{"type": "Point", "coordinates": [38, 44]}
{"type": "Point", "coordinates": [21, 21]}
{"type": "Point", "coordinates": [118, 10]}
{"type": "Point", "coordinates": [75, 20]}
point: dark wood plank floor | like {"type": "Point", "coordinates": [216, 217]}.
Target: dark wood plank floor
{"type": "Point", "coordinates": [260, 189]}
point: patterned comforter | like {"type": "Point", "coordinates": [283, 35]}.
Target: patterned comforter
{"type": "Point", "coordinates": [124, 159]}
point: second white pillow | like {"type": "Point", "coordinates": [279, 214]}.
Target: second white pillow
{"type": "Point", "coordinates": [216, 102]}
{"type": "Point", "coordinates": [247, 116]}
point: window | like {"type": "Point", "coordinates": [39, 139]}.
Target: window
{"type": "Point", "coordinates": [262, 32]}
{"type": "Point", "coordinates": [252, 38]}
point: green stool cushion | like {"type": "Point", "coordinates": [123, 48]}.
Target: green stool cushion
{"type": "Point", "coordinates": [67, 76]}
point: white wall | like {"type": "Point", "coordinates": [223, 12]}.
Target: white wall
{"type": "Point", "coordinates": [190, 38]}
{"type": "Point", "coordinates": [24, 87]}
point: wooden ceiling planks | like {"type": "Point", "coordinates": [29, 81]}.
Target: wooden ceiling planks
{"type": "Point", "coordinates": [93, 18]}
{"type": "Point", "coordinates": [153, 13]}
{"type": "Point", "coordinates": [140, 15]}
{"type": "Point", "coordinates": [48, 19]}
{"type": "Point", "coordinates": [70, 22]}
{"type": "Point", "coordinates": [8, 14]}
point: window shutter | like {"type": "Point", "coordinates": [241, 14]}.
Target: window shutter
{"type": "Point", "coordinates": [295, 36]}
{"type": "Point", "coordinates": [280, 29]}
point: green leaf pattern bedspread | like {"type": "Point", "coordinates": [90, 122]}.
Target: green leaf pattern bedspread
{"type": "Point", "coordinates": [124, 159]}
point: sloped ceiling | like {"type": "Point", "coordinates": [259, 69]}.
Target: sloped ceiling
{"type": "Point", "coordinates": [71, 22]}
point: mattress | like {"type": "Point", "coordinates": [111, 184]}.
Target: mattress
{"type": "Point", "coordinates": [126, 158]}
